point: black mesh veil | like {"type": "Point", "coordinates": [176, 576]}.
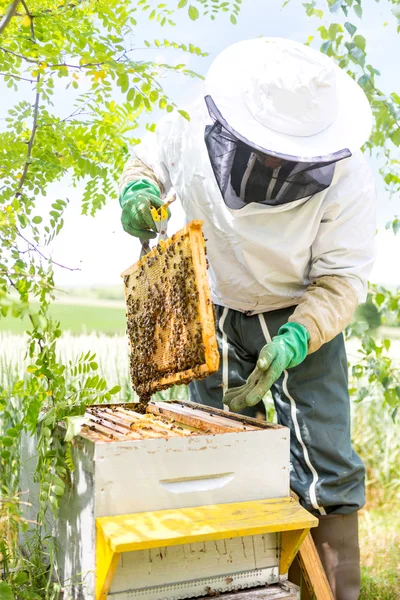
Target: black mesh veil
{"type": "Point", "coordinates": [247, 173]}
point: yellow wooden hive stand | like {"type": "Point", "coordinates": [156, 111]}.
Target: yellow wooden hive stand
{"type": "Point", "coordinates": [141, 531]}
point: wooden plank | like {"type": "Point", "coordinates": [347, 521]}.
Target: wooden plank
{"type": "Point", "coordinates": [313, 571]}
{"type": "Point", "coordinates": [109, 423]}
{"type": "Point", "coordinates": [206, 422]}
{"type": "Point", "coordinates": [205, 304]}
{"type": "Point", "coordinates": [141, 531]}
{"type": "Point", "coordinates": [290, 543]}
{"type": "Point", "coordinates": [108, 434]}
{"type": "Point", "coordinates": [229, 415]}
{"type": "Point", "coordinates": [106, 564]}
{"type": "Point", "coordinates": [141, 422]}
{"type": "Point", "coordinates": [272, 592]}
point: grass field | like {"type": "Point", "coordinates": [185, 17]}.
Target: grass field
{"type": "Point", "coordinates": [380, 553]}
{"type": "Point", "coordinates": [101, 316]}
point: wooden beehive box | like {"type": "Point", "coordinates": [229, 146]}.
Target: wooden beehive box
{"type": "Point", "coordinates": [177, 455]}
{"type": "Point", "coordinates": [170, 317]}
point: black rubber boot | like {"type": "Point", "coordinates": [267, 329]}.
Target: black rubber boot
{"type": "Point", "coordinates": [336, 541]}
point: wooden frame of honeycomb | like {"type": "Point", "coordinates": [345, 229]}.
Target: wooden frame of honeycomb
{"type": "Point", "coordinates": [159, 288]}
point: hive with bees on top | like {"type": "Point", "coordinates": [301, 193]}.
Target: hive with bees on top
{"type": "Point", "coordinates": [170, 316]}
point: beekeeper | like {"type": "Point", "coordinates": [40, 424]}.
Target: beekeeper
{"type": "Point", "coordinates": [271, 162]}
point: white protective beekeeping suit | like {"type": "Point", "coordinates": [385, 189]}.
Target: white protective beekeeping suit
{"type": "Point", "coordinates": [315, 251]}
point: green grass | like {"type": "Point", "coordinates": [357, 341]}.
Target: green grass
{"type": "Point", "coordinates": [77, 319]}
{"type": "Point", "coordinates": [96, 292]}
{"type": "Point", "coordinates": [380, 553]}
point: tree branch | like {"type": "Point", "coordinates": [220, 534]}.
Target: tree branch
{"type": "Point", "coordinates": [50, 11]}
{"type": "Point", "coordinates": [68, 65]}
{"type": "Point", "coordinates": [36, 249]}
{"type": "Point", "coordinates": [11, 12]}
{"type": "Point", "coordinates": [29, 60]}
{"type": "Point", "coordinates": [31, 140]}
{"type": "Point", "coordinates": [30, 17]}
{"type": "Point", "coordinates": [17, 77]}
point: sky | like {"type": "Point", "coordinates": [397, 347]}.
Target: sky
{"type": "Point", "coordinates": [98, 246]}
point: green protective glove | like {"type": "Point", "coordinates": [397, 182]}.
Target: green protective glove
{"type": "Point", "coordinates": [287, 349]}
{"type": "Point", "coordinates": [136, 200]}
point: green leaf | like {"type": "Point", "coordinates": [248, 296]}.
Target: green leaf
{"type": "Point", "coordinates": [395, 137]}
{"type": "Point", "coordinates": [29, 595]}
{"type": "Point", "coordinates": [153, 96]}
{"type": "Point", "coordinates": [123, 82]}
{"type": "Point", "coordinates": [350, 28]}
{"type": "Point", "coordinates": [364, 81]}
{"type": "Point", "coordinates": [380, 299]}
{"type": "Point", "coordinates": [21, 578]}
{"type": "Point", "coordinates": [138, 101]}
{"type": "Point", "coordinates": [74, 425]}
{"type": "Point", "coordinates": [6, 592]}
{"type": "Point", "coordinates": [333, 30]}
{"type": "Point", "coordinates": [233, 20]}
{"type": "Point", "coordinates": [182, 3]}
{"type": "Point", "coordinates": [334, 5]}
{"type": "Point", "coordinates": [6, 454]}
{"type": "Point", "coordinates": [131, 94]}
{"type": "Point", "coordinates": [396, 226]}
{"type": "Point", "coordinates": [359, 41]}
{"type": "Point", "coordinates": [58, 490]}
{"type": "Point", "coordinates": [7, 442]}
{"type": "Point", "coordinates": [12, 432]}
{"type": "Point", "coordinates": [193, 12]}
{"type": "Point", "coordinates": [184, 114]}
{"type": "Point", "coordinates": [37, 220]}
{"type": "Point", "coordinates": [115, 390]}
{"type": "Point", "coordinates": [392, 397]}
{"type": "Point", "coordinates": [326, 46]}
{"type": "Point", "coordinates": [358, 11]}
{"type": "Point", "coordinates": [357, 55]}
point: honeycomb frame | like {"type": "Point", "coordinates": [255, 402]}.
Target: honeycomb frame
{"type": "Point", "coordinates": [193, 233]}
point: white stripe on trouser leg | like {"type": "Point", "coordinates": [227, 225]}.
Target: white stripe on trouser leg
{"type": "Point", "coordinates": [225, 383]}
{"type": "Point", "coordinates": [293, 414]}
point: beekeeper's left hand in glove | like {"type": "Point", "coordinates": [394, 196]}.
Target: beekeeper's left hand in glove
{"type": "Point", "coordinates": [287, 349]}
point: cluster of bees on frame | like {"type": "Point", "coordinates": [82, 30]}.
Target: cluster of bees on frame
{"type": "Point", "coordinates": [163, 322]}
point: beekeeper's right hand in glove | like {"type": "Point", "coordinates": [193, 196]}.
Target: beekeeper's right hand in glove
{"type": "Point", "coordinates": [136, 200]}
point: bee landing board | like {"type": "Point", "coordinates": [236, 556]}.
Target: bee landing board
{"type": "Point", "coordinates": [170, 317]}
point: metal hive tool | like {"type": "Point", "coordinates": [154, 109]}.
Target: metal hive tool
{"type": "Point", "coordinates": [170, 317]}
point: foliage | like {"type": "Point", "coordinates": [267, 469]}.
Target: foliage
{"type": "Point", "coordinates": [380, 539]}
{"type": "Point", "coordinates": [343, 42]}
{"type": "Point", "coordinates": [368, 313]}
{"type": "Point", "coordinates": [376, 439]}
{"type": "Point", "coordinates": [86, 48]}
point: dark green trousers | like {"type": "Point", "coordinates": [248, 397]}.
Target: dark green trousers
{"type": "Point", "coordinates": [311, 399]}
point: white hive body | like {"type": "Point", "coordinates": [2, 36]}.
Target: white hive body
{"type": "Point", "coordinates": [146, 469]}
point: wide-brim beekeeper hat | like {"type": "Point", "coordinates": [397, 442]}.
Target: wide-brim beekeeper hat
{"type": "Point", "coordinates": [287, 99]}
